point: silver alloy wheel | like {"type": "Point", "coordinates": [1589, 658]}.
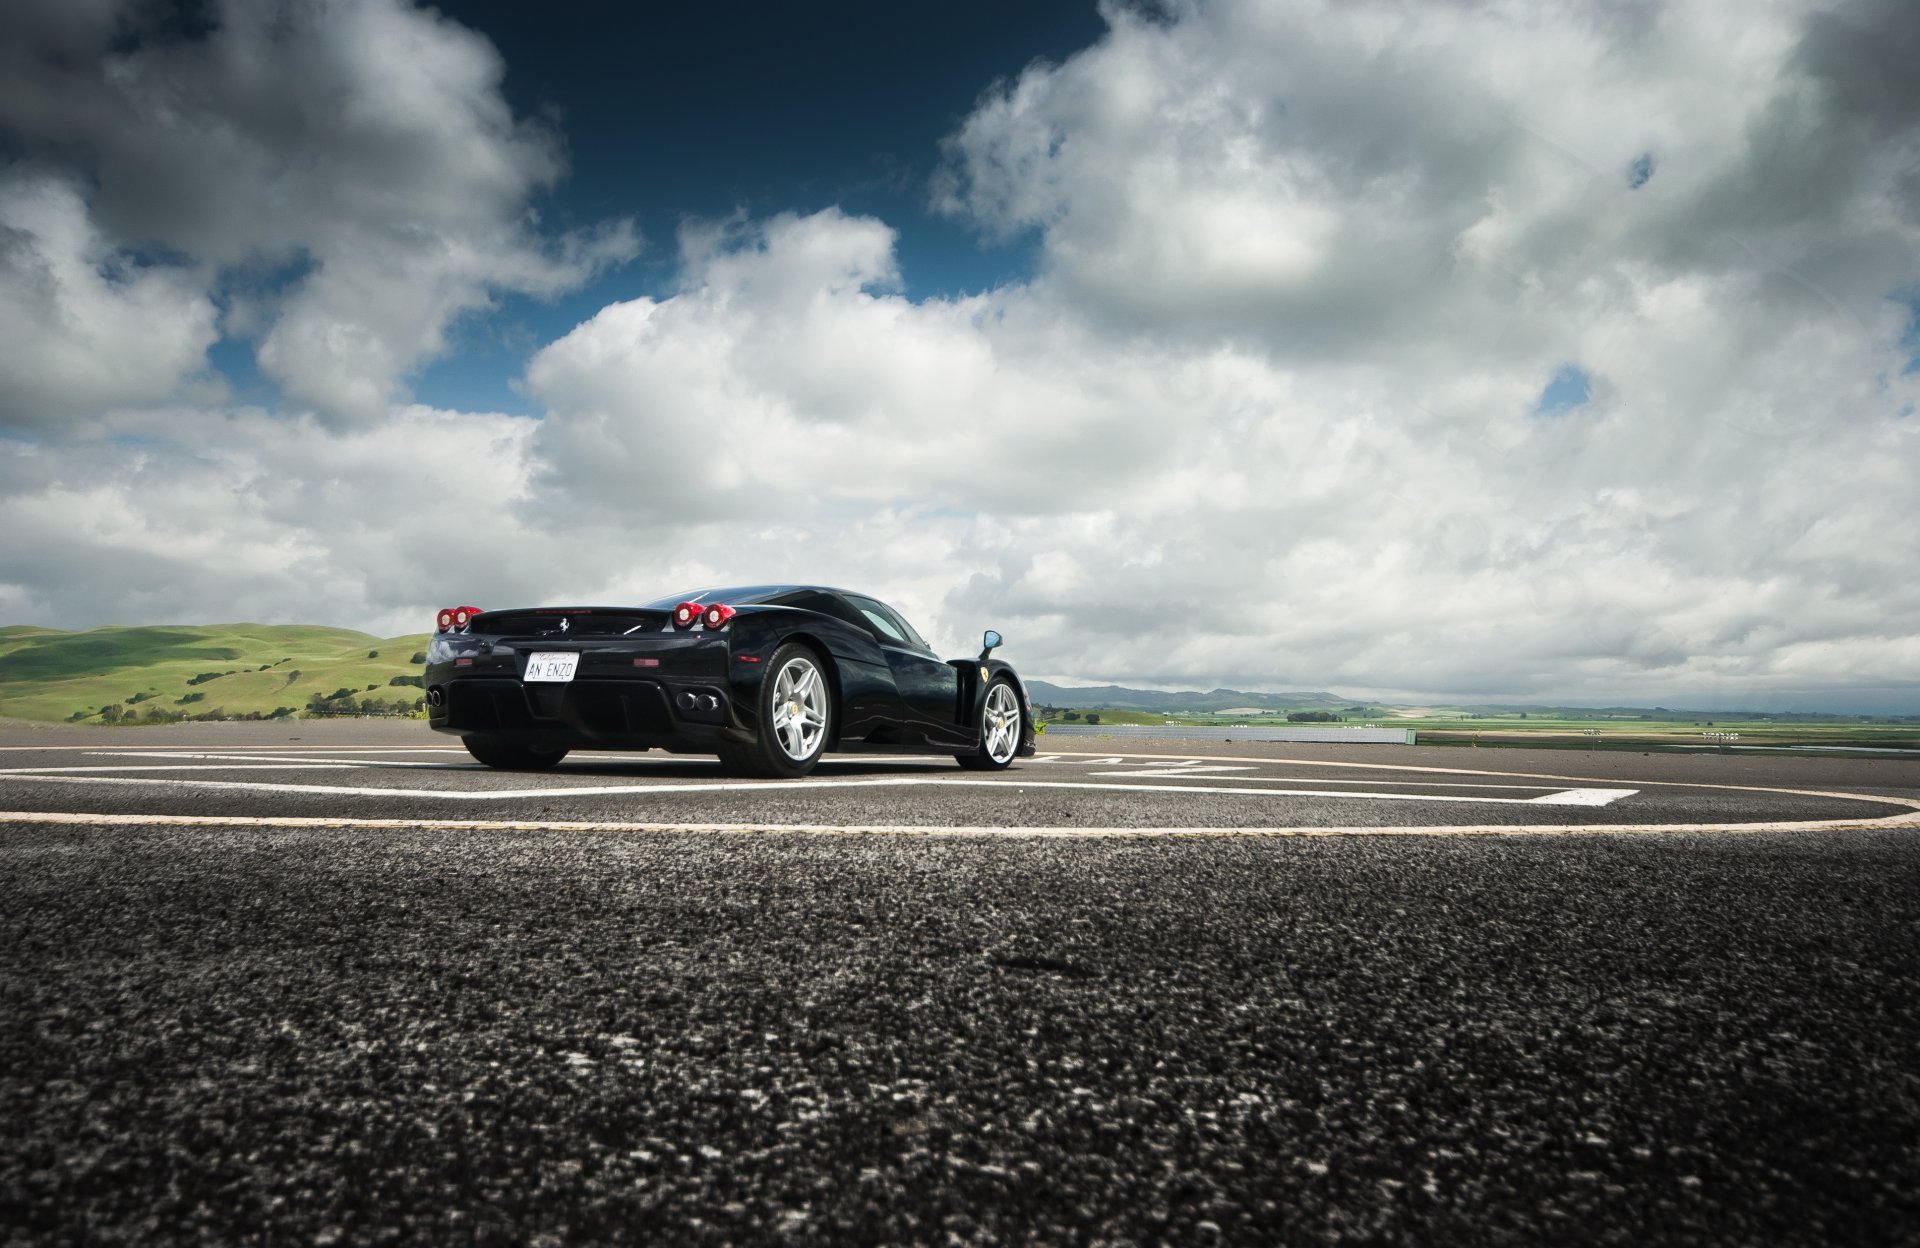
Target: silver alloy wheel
{"type": "Point", "coordinates": [799, 709]}
{"type": "Point", "coordinates": [1000, 723]}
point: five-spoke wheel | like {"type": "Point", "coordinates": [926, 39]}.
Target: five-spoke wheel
{"type": "Point", "coordinates": [796, 718]}
{"type": "Point", "coordinates": [999, 728]}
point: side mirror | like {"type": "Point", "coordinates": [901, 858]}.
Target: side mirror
{"type": "Point", "coordinates": [989, 643]}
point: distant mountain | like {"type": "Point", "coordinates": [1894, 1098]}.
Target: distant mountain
{"type": "Point", "coordinates": [1121, 698]}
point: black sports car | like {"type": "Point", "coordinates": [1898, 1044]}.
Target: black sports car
{"type": "Point", "coordinates": [769, 677]}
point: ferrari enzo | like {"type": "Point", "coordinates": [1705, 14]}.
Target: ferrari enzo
{"type": "Point", "coordinates": [769, 677]}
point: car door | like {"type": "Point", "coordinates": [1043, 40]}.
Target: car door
{"type": "Point", "coordinates": [928, 685]}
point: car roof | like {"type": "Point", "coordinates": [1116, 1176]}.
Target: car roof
{"type": "Point", "coordinates": [738, 595]}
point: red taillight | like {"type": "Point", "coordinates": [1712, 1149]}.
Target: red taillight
{"type": "Point", "coordinates": [685, 614]}
{"type": "Point", "coordinates": [717, 615]}
{"type": "Point", "coordinates": [453, 619]}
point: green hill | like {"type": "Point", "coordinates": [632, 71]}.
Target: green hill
{"type": "Point", "coordinates": [210, 671]}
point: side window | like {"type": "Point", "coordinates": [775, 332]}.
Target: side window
{"type": "Point", "coordinates": [888, 622]}
{"type": "Point", "coordinates": [879, 621]}
{"type": "Point", "coordinates": [912, 635]}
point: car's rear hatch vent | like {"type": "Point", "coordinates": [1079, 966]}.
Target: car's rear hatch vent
{"type": "Point", "coordinates": [562, 622]}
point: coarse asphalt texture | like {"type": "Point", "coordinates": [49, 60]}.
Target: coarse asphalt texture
{"type": "Point", "coordinates": [340, 1033]}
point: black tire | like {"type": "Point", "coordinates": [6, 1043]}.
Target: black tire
{"type": "Point", "coordinates": [508, 757]}
{"type": "Point", "coordinates": [791, 743]}
{"type": "Point", "coordinates": [1000, 726]}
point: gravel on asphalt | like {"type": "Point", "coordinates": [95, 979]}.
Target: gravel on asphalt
{"type": "Point", "coordinates": [343, 1036]}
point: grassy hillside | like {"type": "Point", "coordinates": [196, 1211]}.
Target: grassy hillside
{"type": "Point", "coordinates": [150, 673]}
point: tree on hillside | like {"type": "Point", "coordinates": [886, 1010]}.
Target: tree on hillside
{"type": "Point", "coordinates": [111, 714]}
{"type": "Point", "coordinates": [373, 654]}
{"type": "Point", "coordinates": [1093, 718]}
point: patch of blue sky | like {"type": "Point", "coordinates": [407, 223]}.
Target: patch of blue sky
{"type": "Point", "coordinates": [769, 139]}
{"type": "Point", "coordinates": [1910, 337]}
{"type": "Point", "coordinates": [1570, 388]}
{"type": "Point", "coordinates": [488, 351]}
{"type": "Point", "coordinates": [1640, 171]}
{"type": "Point", "coordinates": [234, 359]}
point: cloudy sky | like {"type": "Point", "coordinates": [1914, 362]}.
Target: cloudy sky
{"type": "Point", "coordinates": [1523, 351]}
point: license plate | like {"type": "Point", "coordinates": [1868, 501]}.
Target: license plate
{"type": "Point", "coordinates": [551, 665]}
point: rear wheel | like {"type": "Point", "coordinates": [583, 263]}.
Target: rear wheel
{"type": "Point", "coordinates": [510, 757]}
{"type": "Point", "coordinates": [999, 729]}
{"type": "Point", "coordinates": [796, 718]}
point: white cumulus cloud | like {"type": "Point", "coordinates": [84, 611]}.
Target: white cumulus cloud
{"type": "Point", "coordinates": [1268, 413]}
{"type": "Point", "coordinates": [84, 328]}
{"type": "Point", "coordinates": [362, 146]}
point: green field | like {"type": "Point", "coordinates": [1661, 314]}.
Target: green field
{"type": "Point", "coordinates": [161, 673]}
{"type": "Point", "coordinates": [1587, 733]}
{"type": "Point", "coordinates": [201, 671]}
{"type": "Point", "coordinates": [1559, 730]}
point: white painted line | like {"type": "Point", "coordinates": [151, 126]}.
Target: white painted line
{"type": "Point", "coordinates": [1192, 788]}
{"type": "Point", "coordinates": [1425, 784]}
{"type": "Point", "coordinates": [306, 765]}
{"type": "Point", "coordinates": [467, 762]}
{"type": "Point", "coordinates": [1196, 769]}
{"type": "Point", "coordinates": [1199, 772]}
{"type": "Point", "coordinates": [62, 775]}
{"type": "Point", "coordinates": [256, 760]}
{"type": "Point", "coordinates": [1583, 797]}
{"type": "Point", "coordinates": [475, 795]}
{"type": "Point", "coordinates": [1911, 819]}
{"type": "Point", "coordinates": [1509, 775]}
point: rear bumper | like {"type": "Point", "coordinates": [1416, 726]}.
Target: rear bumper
{"type": "Point", "coordinates": [688, 714]}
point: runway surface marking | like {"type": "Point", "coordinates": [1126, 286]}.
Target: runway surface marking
{"type": "Point", "coordinates": [1191, 776]}
{"type": "Point", "coordinates": [1571, 797]}
{"type": "Point", "coordinates": [136, 766]}
{"type": "Point", "coordinates": [66, 818]}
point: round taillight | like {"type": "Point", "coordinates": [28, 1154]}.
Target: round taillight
{"type": "Point", "coordinates": [460, 618]}
{"type": "Point", "coordinates": [685, 614]}
{"type": "Point", "coordinates": [717, 615]}
{"type": "Point", "coordinates": [446, 620]}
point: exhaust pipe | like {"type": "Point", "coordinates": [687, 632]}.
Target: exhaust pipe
{"type": "Point", "coordinates": [436, 696]}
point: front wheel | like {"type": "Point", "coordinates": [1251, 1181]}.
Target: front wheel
{"type": "Point", "coordinates": [508, 757]}
{"type": "Point", "coordinates": [999, 729]}
{"type": "Point", "coordinates": [796, 718]}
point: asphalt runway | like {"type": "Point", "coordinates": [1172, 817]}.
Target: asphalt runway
{"type": "Point", "coordinates": [333, 770]}
{"type": "Point", "coordinates": [343, 989]}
